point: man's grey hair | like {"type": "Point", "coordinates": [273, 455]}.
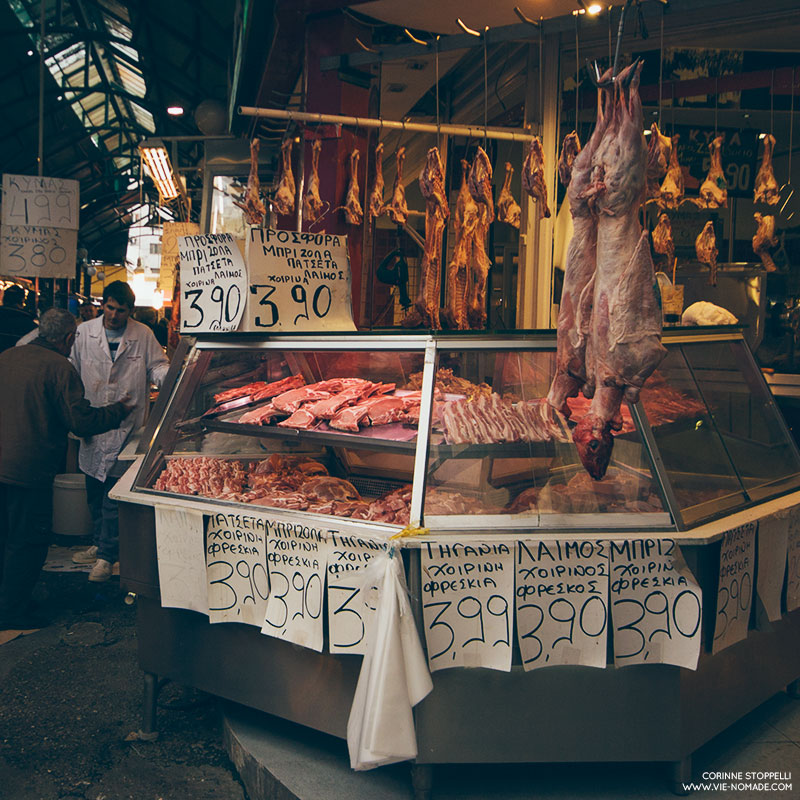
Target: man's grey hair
{"type": "Point", "coordinates": [56, 324]}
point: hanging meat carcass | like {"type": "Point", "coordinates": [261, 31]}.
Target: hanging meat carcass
{"type": "Point", "coordinates": [766, 190]}
{"type": "Point", "coordinates": [714, 189]}
{"type": "Point", "coordinates": [353, 213]}
{"type": "Point", "coordinates": [533, 176]}
{"type": "Point", "coordinates": [397, 209]}
{"type": "Point", "coordinates": [574, 313]}
{"type": "Point", "coordinates": [624, 344]}
{"type": "Point", "coordinates": [465, 219]}
{"type": "Point", "coordinates": [479, 183]}
{"type": "Point", "coordinates": [284, 197]}
{"type": "Point", "coordinates": [663, 243]}
{"type": "Point", "coordinates": [376, 195]}
{"type": "Point", "coordinates": [254, 210]}
{"type": "Point", "coordinates": [312, 204]}
{"type": "Point", "coordinates": [765, 239]}
{"type": "Point", "coordinates": [508, 209]}
{"type": "Point", "coordinates": [671, 193]}
{"type": "Point", "coordinates": [431, 185]}
{"type": "Point", "coordinates": [659, 154]}
{"type": "Point", "coordinates": [705, 246]}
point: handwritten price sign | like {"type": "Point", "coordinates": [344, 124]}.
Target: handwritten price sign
{"type": "Point", "coordinates": [735, 587]}
{"type": "Point", "coordinates": [37, 252]}
{"type": "Point", "coordinates": [297, 556]}
{"type": "Point", "coordinates": [35, 201]}
{"type": "Point", "coordinates": [466, 604]}
{"type": "Point", "coordinates": [298, 282]}
{"type": "Point", "coordinates": [562, 603]}
{"type": "Point", "coordinates": [351, 605]}
{"type": "Point", "coordinates": [793, 562]}
{"type": "Point", "coordinates": [238, 585]}
{"type": "Point", "coordinates": [656, 605]}
{"type": "Point", "coordinates": [213, 283]}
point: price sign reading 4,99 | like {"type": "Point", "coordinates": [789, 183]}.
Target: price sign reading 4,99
{"type": "Point", "coordinates": [39, 201]}
{"type": "Point", "coordinates": [656, 604]}
{"type": "Point", "coordinates": [298, 282]}
{"type": "Point", "coordinates": [236, 565]}
{"type": "Point", "coordinates": [467, 592]}
{"type": "Point", "coordinates": [296, 555]}
{"type": "Point", "coordinates": [351, 604]}
{"type": "Point", "coordinates": [213, 283]}
{"type": "Point", "coordinates": [562, 603]}
{"type": "Point", "coordinates": [735, 587]}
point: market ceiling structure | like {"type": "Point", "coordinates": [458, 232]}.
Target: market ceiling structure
{"type": "Point", "coordinates": [114, 66]}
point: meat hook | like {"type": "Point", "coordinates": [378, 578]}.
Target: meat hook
{"type": "Point", "coordinates": [414, 38]}
{"type": "Point", "coordinates": [468, 30]}
{"type": "Point", "coordinates": [523, 18]}
{"type": "Point", "coordinates": [620, 29]}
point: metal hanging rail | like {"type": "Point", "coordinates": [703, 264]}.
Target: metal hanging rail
{"type": "Point", "coordinates": [368, 122]}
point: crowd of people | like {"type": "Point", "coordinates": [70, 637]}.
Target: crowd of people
{"type": "Point", "coordinates": [88, 376]}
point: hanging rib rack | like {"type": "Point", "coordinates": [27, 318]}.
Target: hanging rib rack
{"type": "Point", "coordinates": [469, 131]}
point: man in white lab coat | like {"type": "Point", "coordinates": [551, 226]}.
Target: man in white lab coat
{"type": "Point", "coordinates": [115, 357]}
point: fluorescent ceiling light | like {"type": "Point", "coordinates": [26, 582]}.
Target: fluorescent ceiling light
{"type": "Point", "coordinates": [159, 168]}
{"type": "Point", "coordinates": [175, 111]}
{"type": "Point", "coordinates": [594, 9]}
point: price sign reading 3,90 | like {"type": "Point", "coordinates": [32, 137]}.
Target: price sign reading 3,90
{"type": "Point", "coordinates": [735, 587]}
{"type": "Point", "coordinates": [467, 592]}
{"type": "Point", "coordinates": [296, 555]}
{"type": "Point", "coordinates": [656, 604]}
{"type": "Point", "coordinates": [298, 282]}
{"type": "Point", "coordinates": [562, 602]}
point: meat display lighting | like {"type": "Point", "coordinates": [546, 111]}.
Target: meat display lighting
{"type": "Point", "coordinates": [159, 168]}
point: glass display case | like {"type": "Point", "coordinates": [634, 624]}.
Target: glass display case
{"type": "Point", "coordinates": [454, 432]}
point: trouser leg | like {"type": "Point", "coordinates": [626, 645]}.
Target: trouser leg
{"type": "Point", "coordinates": [108, 541]}
{"type": "Point", "coordinates": [27, 533]}
{"type": "Point", "coordinates": [94, 499]}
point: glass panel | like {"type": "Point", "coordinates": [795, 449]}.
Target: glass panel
{"type": "Point", "coordinates": [325, 432]}
{"type": "Point", "coordinates": [497, 449]}
{"type": "Point", "coordinates": [226, 217]}
{"type": "Point", "coordinates": [746, 417]}
{"type": "Point", "coordinates": [697, 465]}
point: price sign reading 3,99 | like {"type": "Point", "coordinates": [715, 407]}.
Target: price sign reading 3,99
{"type": "Point", "coordinates": [467, 592]}
{"type": "Point", "coordinates": [236, 565]}
{"type": "Point", "coordinates": [735, 587]}
{"type": "Point", "coordinates": [351, 603]}
{"type": "Point", "coordinates": [296, 555]}
{"type": "Point", "coordinates": [656, 604]}
{"type": "Point", "coordinates": [298, 282]}
{"type": "Point", "coordinates": [213, 283]}
{"type": "Point", "coordinates": [562, 602]}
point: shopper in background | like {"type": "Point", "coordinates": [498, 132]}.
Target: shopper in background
{"type": "Point", "coordinates": [14, 320]}
{"type": "Point", "coordinates": [115, 356]}
{"type": "Point", "coordinates": [86, 312]}
{"type": "Point", "coordinates": [42, 400]}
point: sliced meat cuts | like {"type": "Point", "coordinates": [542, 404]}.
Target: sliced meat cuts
{"type": "Point", "coordinates": [254, 210]}
{"type": "Point", "coordinates": [714, 189]}
{"type": "Point", "coordinates": [574, 313]}
{"type": "Point", "coordinates": [480, 181]}
{"type": "Point", "coordinates": [765, 239]}
{"type": "Point", "coordinates": [312, 203]}
{"type": "Point", "coordinates": [325, 488]}
{"type": "Point", "coordinates": [302, 419]}
{"type": "Point", "coordinates": [290, 401]}
{"type": "Point", "coordinates": [533, 176]}
{"type": "Point", "coordinates": [766, 189]}
{"type": "Point", "coordinates": [671, 193]}
{"type": "Point", "coordinates": [625, 334]}
{"type": "Point", "coordinates": [431, 185]}
{"type": "Point", "coordinates": [284, 197]}
{"type": "Point", "coordinates": [465, 220]}
{"type": "Point", "coordinates": [508, 209]}
{"type": "Point", "coordinates": [259, 416]}
{"type": "Point", "coordinates": [397, 209]}
{"type": "Point", "coordinates": [353, 213]}
{"type": "Point", "coordinates": [659, 154]}
{"type": "Point", "coordinates": [385, 410]}
{"type": "Point", "coordinates": [327, 408]}
{"type": "Point", "coordinates": [278, 387]}
{"type": "Point", "coordinates": [239, 391]}
{"type": "Point", "coordinates": [376, 195]}
{"type": "Point", "coordinates": [705, 246]}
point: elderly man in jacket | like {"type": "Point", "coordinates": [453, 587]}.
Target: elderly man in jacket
{"type": "Point", "coordinates": [41, 401]}
{"type": "Point", "coordinates": [115, 356]}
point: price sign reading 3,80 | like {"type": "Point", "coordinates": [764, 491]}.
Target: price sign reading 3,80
{"type": "Point", "coordinates": [467, 607]}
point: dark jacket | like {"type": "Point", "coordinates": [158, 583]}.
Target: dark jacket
{"type": "Point", "coordinates": [14, 323]}
{"type": "Point", "coordinates": [41, 400]}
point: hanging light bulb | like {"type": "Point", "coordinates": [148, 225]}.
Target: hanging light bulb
{"type": "Point", "coordinates": [101, 276]}
{"type": "Point", "coordinates": [91, 270]}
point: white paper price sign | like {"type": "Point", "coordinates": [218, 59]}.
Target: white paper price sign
{"type": "Point", "coordinates": [656, 604]}
{"type": "Point", "coordinates": [48, 202]}
{"type": "Point", "coordinates": [213, 283]}
{"type": "Point", "coordinates": [37, 252]}
{"type": "Point", "coordinates": [467, 592]}
{"type": "Point", "coordinates": [182, 574]}
{"type": "Point", "coordinates": [297, 556]}
{"type": "Point", "coordinates": [793, 562]}
{"type": "Point", "coordinates": [298, 282]}
{"type": "Point", "coordinates": [562, 602]}
{"type": "Point", "coordinates": [735, 587]}
{"type": "Point", "coordinates": [170, 256]}
{"type": "Point", "coordinates": [236, 559]}
{"type": "Point", "coordinates": [351, 605]}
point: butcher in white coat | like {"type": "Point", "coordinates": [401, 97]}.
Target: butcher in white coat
{"type": "Point", "coordinates": [116, 358]}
